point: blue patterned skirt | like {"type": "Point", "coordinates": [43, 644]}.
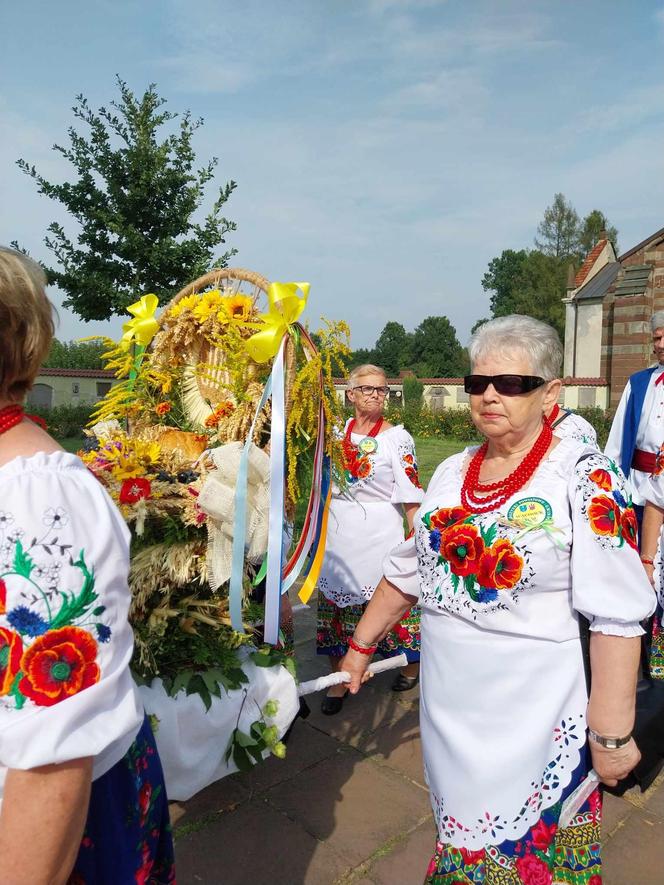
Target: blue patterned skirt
{"type": "Point", "coordinates": [127, 838]}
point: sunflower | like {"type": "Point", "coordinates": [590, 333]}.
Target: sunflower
{"type": "Point", "coordinates": [209, 305]}
{"type": "Point", "coordinates": [239, 308]}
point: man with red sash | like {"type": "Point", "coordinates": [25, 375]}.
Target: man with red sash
{"type": "Point", "coordinates": [637, 432]}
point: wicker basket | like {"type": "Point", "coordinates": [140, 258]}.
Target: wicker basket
{"type": "Point", "coordinates": [206, 377]}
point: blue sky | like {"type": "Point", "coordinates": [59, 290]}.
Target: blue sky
{"type": "Point", "coordinates": [385, 150]}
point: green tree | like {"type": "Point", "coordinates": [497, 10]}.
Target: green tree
{"type": "Point", "coordinates": [413, 392]}
{"type": "Point", "coordinates": [479, 323]}
{"type": "Point", "coordinates": [392, 349]}
{"type": "Point", "coordinates": [530, 283]}
{"type": "Point", "coordinates": [559, 229]}
{"type": "Point", "coordinates": [436, 351]}
{"type": "Point", "coordinates": [75, 355]}
{"type": "Point", "coordinates": [502, 279]}
{"type": "Point", "coordinates": [593, 225]}
{"type": "Point", "coordinates": [133, 194]}
{"type": "Point", "coordinates": [360, 356]}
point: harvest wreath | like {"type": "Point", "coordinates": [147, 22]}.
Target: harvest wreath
{"type": "Point", "coordinates": [219, 427]}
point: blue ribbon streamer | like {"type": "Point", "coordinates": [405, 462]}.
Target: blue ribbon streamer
{"type": "Point", "coordinates": [275, 545]}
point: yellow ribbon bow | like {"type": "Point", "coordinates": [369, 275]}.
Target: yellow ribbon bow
{"type": "Point", "coordinates": [143, 327]}
{"type": "Point", "coordinates": [285, 307]}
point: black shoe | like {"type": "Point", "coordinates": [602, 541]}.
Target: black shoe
{"type": "Point", "coordinates": [331, 706]}
{"type": "Point", "coordinates": [405, 683]}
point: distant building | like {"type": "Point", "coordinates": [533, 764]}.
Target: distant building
{"type": "Point", "coordinates": [58, 387]}
{"type": "Point", "coordinates": [608, 308]}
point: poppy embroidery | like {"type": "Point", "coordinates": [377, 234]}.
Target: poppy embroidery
{"type": "Point", "coordinates": [610, 515]}
{"type": "Point", "coordinates": [409, 465]}
{"type": "Point", "coordinates": [470, 552]}
{"type": "Point", "coordinates": [49, 633]}
{"type": "Point", "coordinates": [59, 664]}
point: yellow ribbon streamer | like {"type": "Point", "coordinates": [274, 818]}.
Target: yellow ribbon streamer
{"type": "Point", "coordinates": [311, 580]}
{"type": "Point", "coordinates": [285, 308]}
{"type": "Point", "coordinates": [144, 326]}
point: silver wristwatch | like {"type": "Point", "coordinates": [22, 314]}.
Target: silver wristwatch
{"type": "Point", "coordinates": [609, 743]}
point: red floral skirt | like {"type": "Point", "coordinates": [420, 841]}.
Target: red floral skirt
{"type": "Point", "coordinates": [544, 856]}
{"type": "Point", "coordinates": [337, 625]}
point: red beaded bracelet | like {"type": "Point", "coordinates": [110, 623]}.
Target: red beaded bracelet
{"type": "Point", "coordinates": [363, 651]}
{"type": "Point", "coordinates": [646, 561]}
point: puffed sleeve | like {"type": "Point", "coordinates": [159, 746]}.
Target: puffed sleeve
{"type": "Point", "coordinates": [65, 643]}
{"type": "Point", "coordinates": [400, 567]}
{"type": "Point", "coordinates": [407, 488]}
{"type": "Point", "coordinates": [609, 583]}
{"type": "Point", "coordinates": [653, 490]}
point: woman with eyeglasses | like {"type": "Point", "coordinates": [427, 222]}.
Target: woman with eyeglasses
{"type": "Point", "coordinates": [514, 541]}
{"type": "Point", "coordinates": [366, 518]}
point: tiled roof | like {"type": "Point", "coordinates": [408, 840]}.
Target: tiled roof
{"type": "Point", "coordinates": [599, 285]}
{"type": "Point", "coordinates": [77, 373]}
{"type": "Point", "coordinates": [587, 265]}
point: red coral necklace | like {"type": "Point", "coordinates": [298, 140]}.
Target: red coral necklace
{"type": "Point", "coordinates": [10, 416]}
{"type": "Point", "coordinates": [497, 493]}
{"type": "Point", "coordinates": [351, 450]}
{"type": "Point", "coordinates": [373, 432]}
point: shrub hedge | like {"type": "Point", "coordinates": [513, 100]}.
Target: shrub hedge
{"type": "Point", "coordinates": [64, 421]}
{"type": "Point", "coordinates": [457, 423]}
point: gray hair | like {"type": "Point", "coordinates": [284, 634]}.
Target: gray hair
{"type": "Point", "coordinates": [365, 369]}
{"type": "Point", "coordinates": [538, 341]}
{"type": "Point", "coordinates": [657, 320]}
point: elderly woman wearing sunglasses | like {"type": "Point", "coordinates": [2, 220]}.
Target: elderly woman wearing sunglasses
{"type": "Point", "coordinates": [514, 541]}
{"type": "Point", "coordinates": [365, 522]}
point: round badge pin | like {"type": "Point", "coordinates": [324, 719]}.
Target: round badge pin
{"type": "Point", "coordinates": [530, 512]}
{"type": "Point", "coordinates": [368, 445]}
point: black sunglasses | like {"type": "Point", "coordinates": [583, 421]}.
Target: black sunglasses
{"type": "Point", "coordinates": [507, 385]}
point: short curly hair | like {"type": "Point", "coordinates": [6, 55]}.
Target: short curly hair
{"type": "Point", "coordinates": [26, 323]}
{"type": "Point", "coordinates": [538, 341]}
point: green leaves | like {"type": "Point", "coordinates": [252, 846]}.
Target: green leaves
{"type": "Point", "coordinates": [206, 683]}
{"type": "Point", "coordinates": [488, 534]}
{"type": "Point", "coordinates": [248, 749]}
{"type": "Point", "coordinates": [23, 563]}
{"type": "Point", "coordinates": [135, 187]}
{"type": "Point", "coordinates": [74, 605]}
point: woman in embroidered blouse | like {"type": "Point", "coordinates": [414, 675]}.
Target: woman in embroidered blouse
{"type": "Point", "coordinates": [81, 788]}
{"type": "Point", "coordinates": [365, 522]}
{"type": "Point", "coordinates": [513, 542]}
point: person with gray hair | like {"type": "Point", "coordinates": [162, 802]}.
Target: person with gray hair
{"type": "Point", "coordinates": [380, 487]}
{"type": "Point", "coordinates": [637, 431]}
{"type": "Point", "coordinates": [514, 540]}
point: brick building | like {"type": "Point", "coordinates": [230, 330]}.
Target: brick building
{"type": "Point", "coordinates": [608, 308]}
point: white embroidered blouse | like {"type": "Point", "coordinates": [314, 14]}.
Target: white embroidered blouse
{"type": "Point", "coordinates": [65, 643]}
{"type": "Point", "coordinates": [503, 687]}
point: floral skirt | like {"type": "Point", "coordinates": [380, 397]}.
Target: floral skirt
{"type": "Point", "coordinates": [544, 856]}
{"type": "Point", "coordinates": [127, 837]}
{"type": "Point", "coordinates": [337, 625]}
{"type": "Point", "coordinates": [657, 647]}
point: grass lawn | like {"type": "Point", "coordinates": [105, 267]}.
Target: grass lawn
{"type": "Point", "coordinates": [430, 452]}
{"type": "Point", "coordinates": [71, 443]}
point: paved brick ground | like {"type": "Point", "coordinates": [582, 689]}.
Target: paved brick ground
{"type": "Point", "coordinates": [349, 806]}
